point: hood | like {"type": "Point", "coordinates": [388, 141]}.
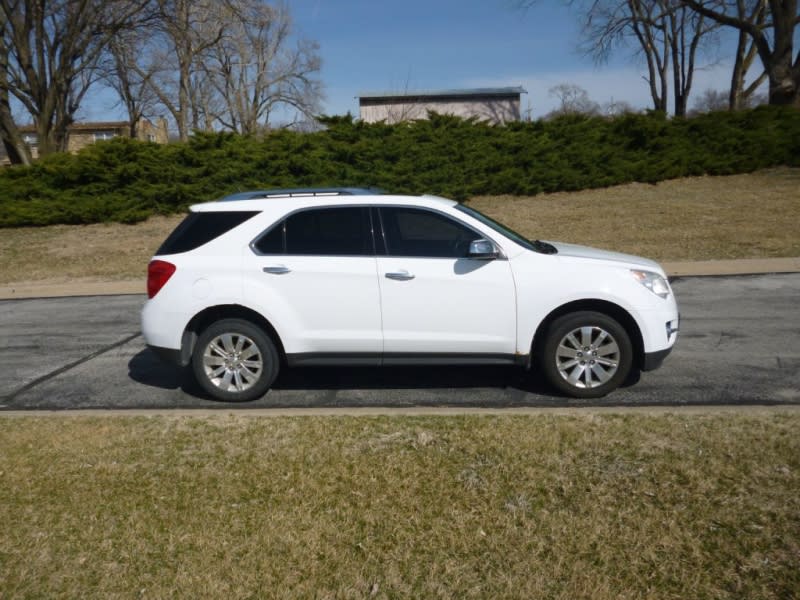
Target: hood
{"type": "Point", "coordinates": [585, 252]}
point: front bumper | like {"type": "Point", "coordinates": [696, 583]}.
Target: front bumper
{"type": "Point", "coordinates": [653, 360]}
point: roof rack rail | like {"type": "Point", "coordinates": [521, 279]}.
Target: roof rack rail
{"type": "Point", "coordinates": [300, 193]}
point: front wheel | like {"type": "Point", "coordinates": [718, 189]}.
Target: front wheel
{"type": "Point", "coordinates": [235, 361]}
{"type": "Point", "coordinates": [586, 354]}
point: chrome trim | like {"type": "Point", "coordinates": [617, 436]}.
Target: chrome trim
{"type": "Point", "coordinates": [277, 269]}
{"type": "Point", "coordinates": [400, 276]}
{"type": "Point", "coordinates": [478, 250]}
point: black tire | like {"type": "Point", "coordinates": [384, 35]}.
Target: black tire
{"type": "Point", "coordinates": [235, 361]}
{"type": "Point", "coordinates": [586, 354]}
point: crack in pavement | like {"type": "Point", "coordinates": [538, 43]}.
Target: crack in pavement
{"type": "Point", "coordinates": [47, 377]}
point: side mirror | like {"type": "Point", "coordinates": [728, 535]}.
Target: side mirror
{"type": "Point", "coordinates": [482, 250]}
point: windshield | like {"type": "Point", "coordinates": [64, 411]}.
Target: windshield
{"type": "Point", "coordinates": [535, 245]}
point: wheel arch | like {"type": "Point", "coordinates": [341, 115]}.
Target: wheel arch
{"type": "Point", "coordinates": [211, 314]}
{"type": "Point", "coordinates": [615, 311]}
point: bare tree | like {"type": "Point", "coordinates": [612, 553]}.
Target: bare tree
{"type": "Point", "coordinates": [686, 31]}
{"type": "Point", "coordinates": [255, 67]}
{"type": "Point", "coordinates": [710, 100]}
{"type": "Point", "coordinates": [48, 58]}
{"type": "Point", "coordinates": [131, 85]}
{"type": "Point", "coordinates": [614, 108]}
{"type": "Point", "coordinates": [170, 61]}
{"type": "Point", "coordinates": [573, 100]}
{"type": "Point", "coordinates": [610, 23]}
{"type": "Point", "coordinates": [746, 52]}
{"type": "Point", "coordinates": [667, 35]}
{"type": "Point", "coordinates": [15, 147]}
{"type": "Point", "coordinates": [225, 63]}
{"type": "Point", "coordinates": [773, 39]}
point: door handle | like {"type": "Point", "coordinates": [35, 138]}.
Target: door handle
{"type": "Point", "coordinates": [400, 276]}
{"type": "Point", "coordinates": [276, 269]}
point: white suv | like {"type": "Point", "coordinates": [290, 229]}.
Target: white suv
{"type": "Point", "coordinates": [345, 276]}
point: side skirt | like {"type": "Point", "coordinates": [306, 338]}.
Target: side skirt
{"type": "Point", "coordinates": [367, 359]}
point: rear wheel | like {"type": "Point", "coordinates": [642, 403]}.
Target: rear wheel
{"type": "Point", "coordinates": [586, 354]}
{"type": "Point", "coordinates": [235, 361]}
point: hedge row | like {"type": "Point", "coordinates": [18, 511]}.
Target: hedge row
{"type": "Point", "coordinates": [127, 181]}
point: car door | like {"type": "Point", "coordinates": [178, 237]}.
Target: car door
{"type": "Point", "coordinates": [316, 278]}
{"type": "Point", "coordinates": [435, 300]}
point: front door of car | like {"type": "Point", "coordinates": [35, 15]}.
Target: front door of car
{"type": "Point", "coordinates": [314, 274]}
{"type": "Point", "coordinates": [434, 298]}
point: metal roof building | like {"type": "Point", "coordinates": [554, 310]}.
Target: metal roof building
{"type": "Point", "coordinates": [495, 105]}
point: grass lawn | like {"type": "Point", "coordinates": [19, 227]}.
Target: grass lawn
{"type": "Point", "coordinates": [589, 506]}
{"type": "Point", "coordinates": [700, 218]}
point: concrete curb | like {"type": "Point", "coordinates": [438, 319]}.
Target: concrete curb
{"type": "Point", "coordinates": [742, 266]}
{"type": "Point", "coordinates": [55, 289]}
{"type": "Point", "coordinates": [412, 411]}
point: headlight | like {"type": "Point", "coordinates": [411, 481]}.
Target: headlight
{"type": "Point", "coordinates": [653, 282]}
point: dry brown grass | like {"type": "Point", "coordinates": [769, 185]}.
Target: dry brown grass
{"type": "Point", "coordinates": [742, 216]}
{"type": "Point", "coordinates": [62, 253]}
{"type": "Point", "coordinates": [698, 218]}
{"type": "Point", "coordinates": [591, 506]}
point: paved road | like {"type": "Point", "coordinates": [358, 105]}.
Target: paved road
{"type": "Point", "coordinates": [738, 345]}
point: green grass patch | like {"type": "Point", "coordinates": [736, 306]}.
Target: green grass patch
{"type": "Point", "coordinates": [600, 506]}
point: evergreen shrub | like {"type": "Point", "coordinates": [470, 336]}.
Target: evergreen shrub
{"type": "Point", "coordinates": [126, 181]}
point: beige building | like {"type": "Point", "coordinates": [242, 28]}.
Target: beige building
{"type": "Point", "coordinates": [496, 105]}
{"type": "Point", "coordinates": [83, 134]}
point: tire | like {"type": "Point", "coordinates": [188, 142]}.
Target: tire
{"type": "Point", "coordinates": [235, 361]}
{"type": "Point", "coordinates": [586, 354]}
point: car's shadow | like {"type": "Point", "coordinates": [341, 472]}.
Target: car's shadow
{"type": "Point", "coordinates": [146, 368]}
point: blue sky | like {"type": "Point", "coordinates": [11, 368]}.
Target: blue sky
{"type": "Point", "coordinates": [369, 46]}
{"type": "Point", "coordinates": [436, 44]}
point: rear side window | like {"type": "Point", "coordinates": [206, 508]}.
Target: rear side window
{"type": "Point", "coordinates": [345, 231]}
{"type": "Point", "coordinates": [200, 228]}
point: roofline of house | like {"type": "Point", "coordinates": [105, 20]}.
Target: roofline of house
{"type": "Point", "coordinates": [498, 92]}
{"type": "Point", "coordinates": [85, 126]}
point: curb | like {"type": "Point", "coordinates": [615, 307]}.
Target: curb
{"type": "Point", "coordinates": [408, 411]}
{"type": "Point", "coordinates": [742, 266]}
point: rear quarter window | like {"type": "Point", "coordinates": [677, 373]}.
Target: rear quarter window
{"type": "Point", "coordinates": [200, 228]}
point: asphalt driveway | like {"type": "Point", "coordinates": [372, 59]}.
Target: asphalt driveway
{"type": "Point", "coordinates": [737, 346]}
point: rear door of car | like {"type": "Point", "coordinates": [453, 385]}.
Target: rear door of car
{"type": "Point", "coordinates": [436, 301]}
{"type": "Point", "coordinates": [314, 274]}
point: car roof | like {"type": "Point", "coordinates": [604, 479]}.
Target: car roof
{"type": "Point", "coordinates": [289, 201]}
{"type": "Point", "coordinates": [300, 192]}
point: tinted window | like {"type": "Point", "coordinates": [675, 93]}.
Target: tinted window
{"type": "Point", "coordinates": [415, 232]}
{"type": "Point", "coordinates": [497, 226]}
{"type": "Point", "coordinates": [272, 241]}
{"type": "Point", "coordinates": [330, 231]}
{"type": "Point", "coordinates": [200, 228]}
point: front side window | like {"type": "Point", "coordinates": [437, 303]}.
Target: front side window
{"type": "Point", "coordinates": [417, 232]}
{"type": "Point", "coordinates": [498, 227]}
{"type": "Point", "coordinates": [344, 231]}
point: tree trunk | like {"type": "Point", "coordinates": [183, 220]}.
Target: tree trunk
{"type": "Point", "coordinates": [775, 50]}
{"type": "Point", "coordinates": [16, 148]}
{"type": "Point", "coordinates": [783, 81]}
